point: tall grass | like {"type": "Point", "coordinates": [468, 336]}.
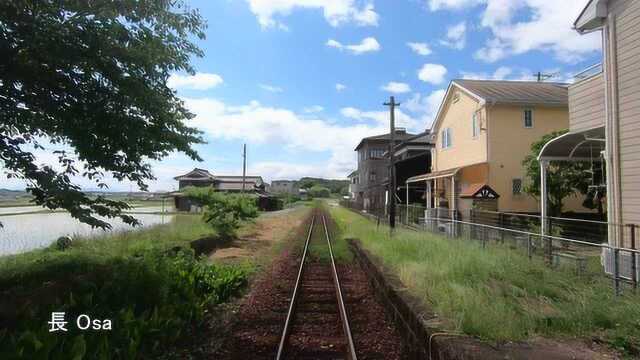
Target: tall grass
{"type": "Point", "coordinates": [496, 293]}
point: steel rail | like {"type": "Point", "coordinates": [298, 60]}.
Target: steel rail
{"type": "Point", "coordinates": [294, 297]}
{"type": "Point", "coordinates": [343, 311]}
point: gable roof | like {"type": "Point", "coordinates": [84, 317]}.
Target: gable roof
{"type": "Point", "coordinates": [518, 92]}
{"type": "Point", "coordinates": [506, 92]}
{"type": "Point", "coordinates": [196, 174]}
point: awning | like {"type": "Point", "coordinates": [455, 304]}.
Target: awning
{"type": "Point", "coordinates": [575, 146]}
{"type": "Point", "coordinates": [440, 174]}
{"type": "Point", "coordinates": [434, 175]}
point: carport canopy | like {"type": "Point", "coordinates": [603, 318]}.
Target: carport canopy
{"type": "Point", "coordinates": [575, 146]}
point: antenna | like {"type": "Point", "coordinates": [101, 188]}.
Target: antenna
{"type": "Point", "coordinates": [542, 76]}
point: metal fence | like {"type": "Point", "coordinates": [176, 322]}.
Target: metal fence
{"type": "Point", "coordinates": [580, 246]}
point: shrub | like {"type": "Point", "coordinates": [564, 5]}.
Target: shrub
{"type": "Point", "coordinates": [319, 192]}
{"type": "Point", "coordinates": [150, 300]}
{"type": "Point", "coordinates": [224, 212]}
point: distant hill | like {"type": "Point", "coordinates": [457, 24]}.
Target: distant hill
{"type": "Point", "coordinates": [336, 186]}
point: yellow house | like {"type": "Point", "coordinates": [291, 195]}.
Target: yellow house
{"type": "Point", "coordinates": [482, 133]}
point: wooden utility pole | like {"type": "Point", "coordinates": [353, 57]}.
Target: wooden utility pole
{"type": "Point", "coordinates": [392, 166]}
{"type": "Point", "coordinates": [244, 165]}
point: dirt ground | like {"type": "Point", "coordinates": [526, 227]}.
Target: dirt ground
{"type": "Point", "coordinates": [257, 239]}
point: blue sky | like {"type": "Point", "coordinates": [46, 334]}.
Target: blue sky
{"type": "Point", "coordinates": [301, 81]}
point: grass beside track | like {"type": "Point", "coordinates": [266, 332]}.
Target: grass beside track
{"type": "Point", "coordinates": [498, 294]}
{"type": "Point", "coordinates": [153, 294]}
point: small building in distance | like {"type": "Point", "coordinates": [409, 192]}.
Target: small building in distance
{"type": "Point", "coordinates": [284, 187]}
{"type": "Point", "coordinates": [226, 183]}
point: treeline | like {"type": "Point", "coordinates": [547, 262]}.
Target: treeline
{"type": "Point", "coordinates": [339, 187]}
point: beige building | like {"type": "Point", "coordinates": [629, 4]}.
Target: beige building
{"type": "Point", "coordinates": [483, 131]}
{"type": "Point", "coordinates": [604, 107]}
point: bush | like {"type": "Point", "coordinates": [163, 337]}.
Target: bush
{"type": "Point", "coordinates": [224, 212]}
{"type": "Point", "coordinates": [150, 301]}
{"type": "Point", "coordinates": [319, 192]}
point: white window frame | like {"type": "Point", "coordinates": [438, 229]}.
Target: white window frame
{"type": "Point", "coordinates": [524, 118]}
{"type": "Point", "coordinates": [446, 138]}
{"type": "Point", "coordinates": [475, 124]}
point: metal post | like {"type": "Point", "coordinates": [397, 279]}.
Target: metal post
{"type": "Point", "coordinates": [544, 230]}
{"type": "Point", "coordinates": [392, 171]}
{"type": "Point", "coordinates": [529, 246]}
{"type": "Point", "coordinates": [244, 166]}
{"type": "Point", "coordinates": [616, 271]}
{"type": "Point", "coordinates": [407, 217]}
{"type": "Point", "coordinates": [634, 257]}
{"type": "Point", "coordinates": [501, 221]}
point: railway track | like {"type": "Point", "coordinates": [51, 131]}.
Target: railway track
{"type": "Point", "coordinates": [317, 326]}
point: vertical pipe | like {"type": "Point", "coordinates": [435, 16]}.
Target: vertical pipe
{"type": "Point", "coordinates": [634, 257]}
{"type": "Point", "coordinates": [407, 185]}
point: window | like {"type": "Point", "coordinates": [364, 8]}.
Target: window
{"type": "Point", "coordinates": [516, 185]}
{"type": "Point", "coordinates": [376, 153]}
{"type": "Point", "coordinates": [475, 122]}
{"type": "Point", "coordinates": [528, 118]}
{"type": "Point", "coordinates": [372, 176]}
{"type": "Point", "coordinates": [446, 138]}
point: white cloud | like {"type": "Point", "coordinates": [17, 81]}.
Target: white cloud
{"type": "Point", "coordinates": [545, 26]}
{"type": "Point", "coordinates": [501, 73]}
{"type": "Point", "coordinates": [456, 36]}
{"type": "Point", "coordinates": [425, 107]}
{"type": "Point", "coordinates": [368, 44]}
{"type": "Point", "coordinates": [432, 73]}
{"type": "Point", "coordinates": [271, 88]}
{"type": "Point", "coordinates": [340, 87]}
{"type": "Point", "coordinates": [396, 87]}
{"type": "Point", "coordinates": [257, 124]}
{"type": "Point", "coordinates": [452, 4]}
{"type": "Point", "coordinates": [381, 117]}
{"type": "Point", "coordinates": [336, 12]}
{"type": "Point", "coordinates": [313, 109]}
{"type": "Point", "coordinates": [199, 81]}
{"type": "Point", "coordinates": [419, 48]}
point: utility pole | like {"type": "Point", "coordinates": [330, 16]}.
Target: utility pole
{"type": "Point", "coordinates": [244, 165]}
{"type": "Point", "coordinates": [392, 166]}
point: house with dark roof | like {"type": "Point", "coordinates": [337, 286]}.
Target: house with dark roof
{"type": "Point", "coordinates": [482, 132]}
{"type": "Point", "coordinates": [373, 169]}
{"type": "Point", "coordinates": [226, 183]}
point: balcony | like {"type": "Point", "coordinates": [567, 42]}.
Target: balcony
{"type": "Point", "coordinates": [587, 100]}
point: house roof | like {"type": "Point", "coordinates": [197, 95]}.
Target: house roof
{"type": "Point", "coordinates": [518, 92]}
{"type": "Point", "coordinates": [235, 186]}
{"type": "Point", "coordinates": [196, 174]}
{"type": "Point", "coordinates": [238, 179]}
{"type": "Point", "coordinates": [591, 17]}
{"type": "Point", "coordinates": [507, 93]}
{"type": "Point", "coordinates": [400, 135]}
{"type": "Point", "coordinates": [352, 174]}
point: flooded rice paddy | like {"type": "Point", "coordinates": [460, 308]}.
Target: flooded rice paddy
{"type": "Point", "coordinates": [29, 227]}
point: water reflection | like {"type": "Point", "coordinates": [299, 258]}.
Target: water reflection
{"type": "Point", "coordinates": [24, 232]}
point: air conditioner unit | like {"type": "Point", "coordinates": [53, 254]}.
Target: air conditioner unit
{"type": "Point", "coordinates": [625, 263]}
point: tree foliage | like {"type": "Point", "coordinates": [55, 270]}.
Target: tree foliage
{"type": "Point", "coordinates": [88, 78]}
{"type": "Point", "coordinates": [564, 178]}
{"type": "Point", "coordinates": [224, 212]}
{"type": "Point", "coordinates": [319, 192]}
